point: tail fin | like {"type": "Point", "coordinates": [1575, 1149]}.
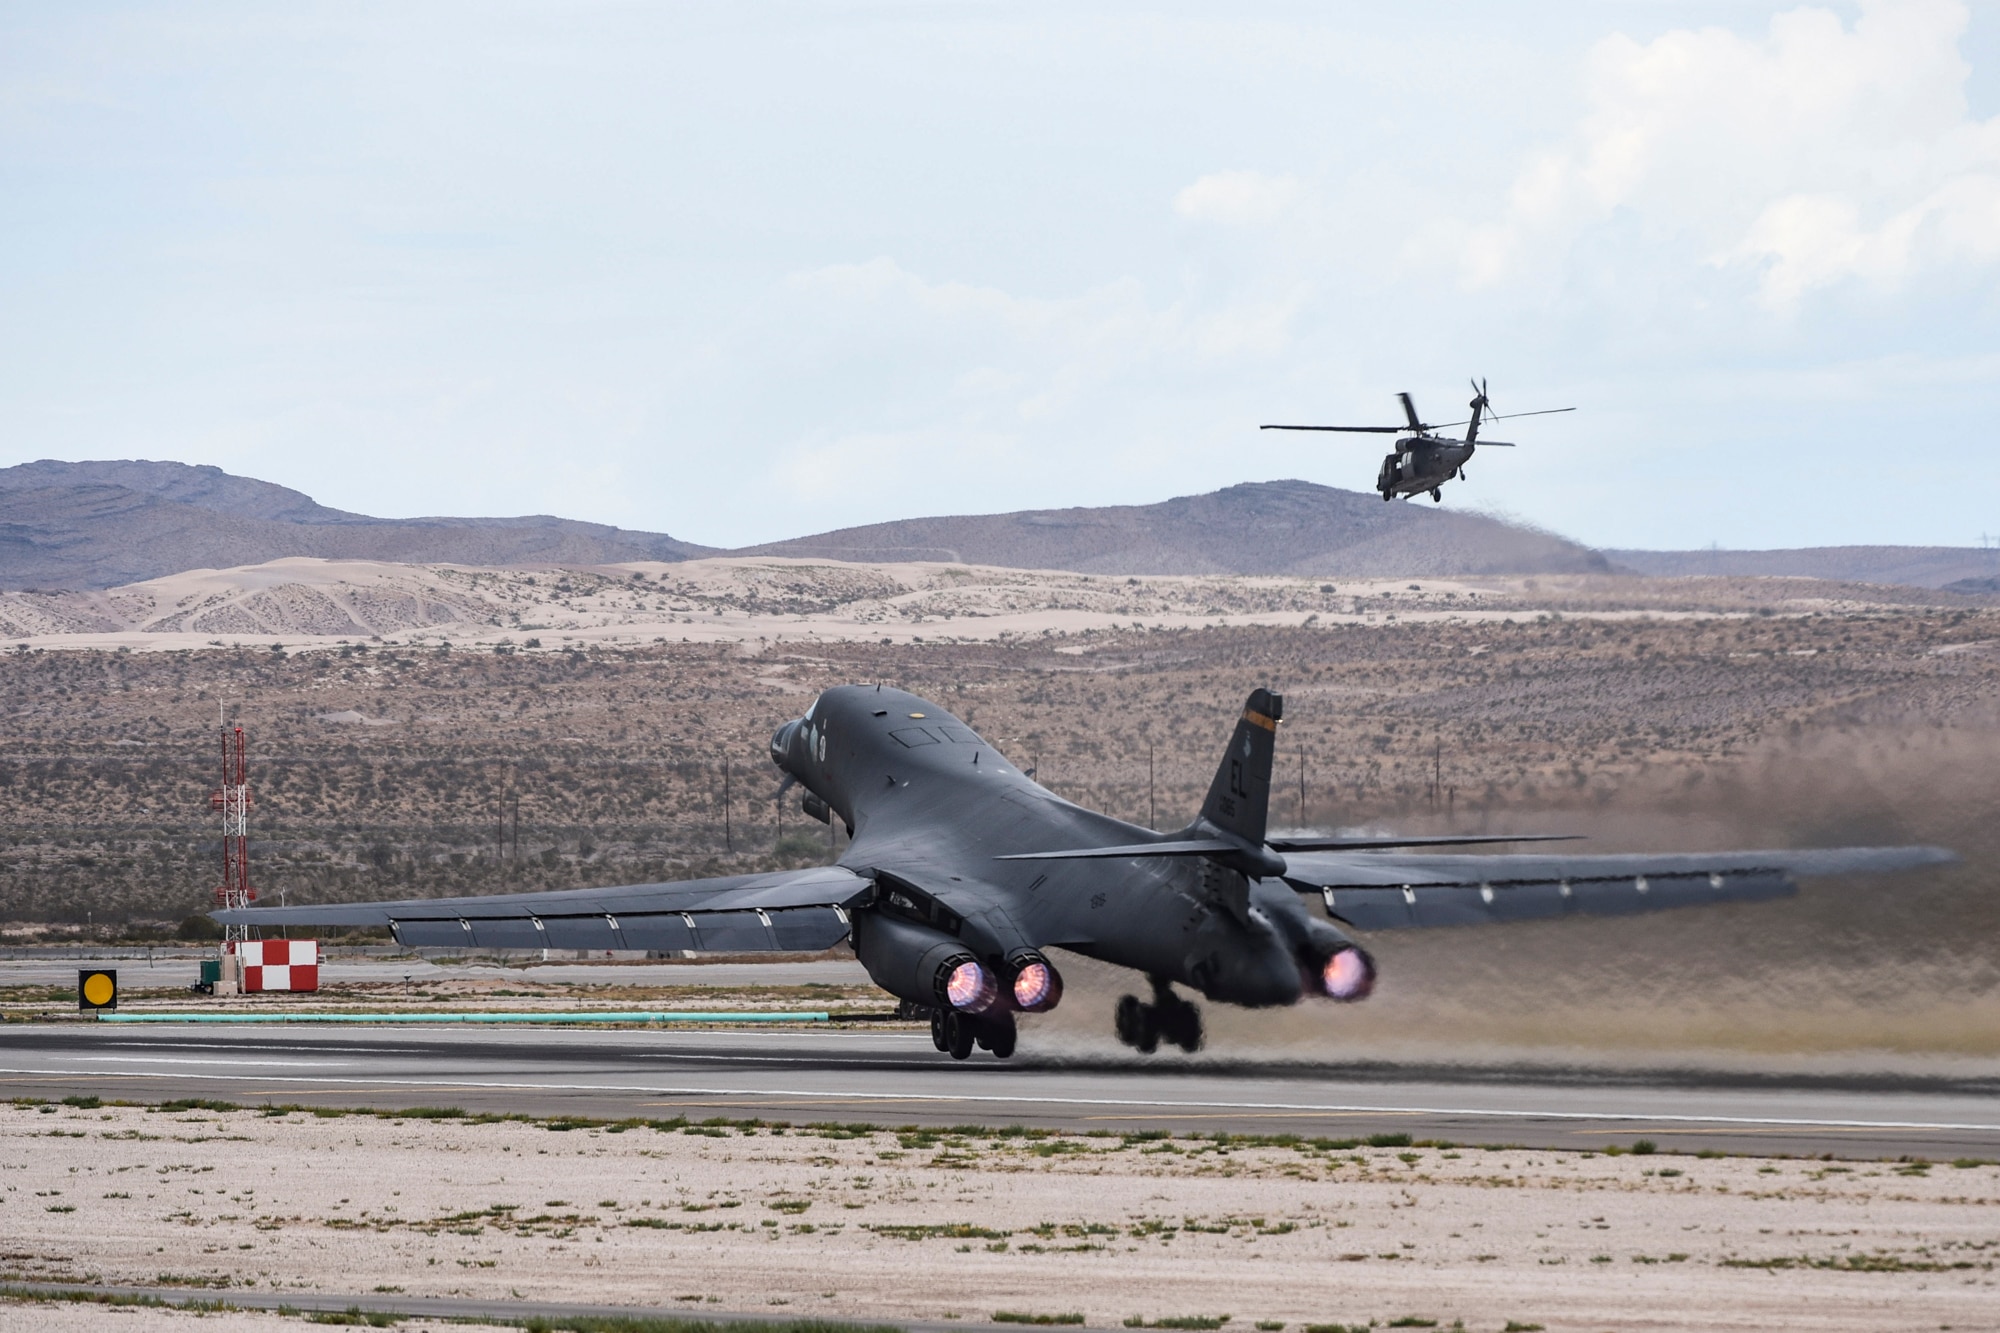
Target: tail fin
{"type": "Point", "coordinates": [1239, 801]}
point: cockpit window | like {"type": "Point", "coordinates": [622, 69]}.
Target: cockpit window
{"type": "Point", "coordinates": [809, 708]}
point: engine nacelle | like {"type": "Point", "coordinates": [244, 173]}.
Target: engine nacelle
{"type": "Point", "coordinates": [923, 964]}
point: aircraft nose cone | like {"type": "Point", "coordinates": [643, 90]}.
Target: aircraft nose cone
{"type": "Point", "coordinates": [781, 742]}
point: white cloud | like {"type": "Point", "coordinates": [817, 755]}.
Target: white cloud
{"type": "Point", "coordinates": [1811, 154]}
{"type": "Point", "coordinates": [1237, 198]}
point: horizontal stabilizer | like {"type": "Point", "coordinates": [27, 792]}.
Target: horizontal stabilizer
{"type": "Point", "coordinates": [1364, 844]}
{"type": "Point", "coordinates": [1225, 846]}
{"type": "Point", "coordinates": [1177, 847]}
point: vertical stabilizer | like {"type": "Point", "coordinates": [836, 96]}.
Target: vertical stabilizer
{"type": "Point", "coordinates": [1239, 801]}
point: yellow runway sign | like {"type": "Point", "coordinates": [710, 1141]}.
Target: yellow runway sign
{"type": "Point", "coordinates": [97, 988]}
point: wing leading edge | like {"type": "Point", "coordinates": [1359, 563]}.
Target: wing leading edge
{"type": "Point", "coordinates": [803, 910]}
{"type": "Point", "coordinates": [1391, 892]}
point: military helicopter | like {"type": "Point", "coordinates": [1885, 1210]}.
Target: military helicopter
{"type": "Point", "coordinates": [1426, 461]}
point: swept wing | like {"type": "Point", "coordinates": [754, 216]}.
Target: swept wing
{"type": "Point", "coordinates": [1387, 892]}
{"type": "Point", "coordinates": [781, 910]}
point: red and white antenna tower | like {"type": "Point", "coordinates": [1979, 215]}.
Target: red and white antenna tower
{"type": "Point", "coordinates": [232, 799]}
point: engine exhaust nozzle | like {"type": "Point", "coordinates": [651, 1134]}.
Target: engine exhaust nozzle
{"type": "Point", "coordinates": [1348, 975]}
{"type": "Point", "coordinates": [1037, 986]}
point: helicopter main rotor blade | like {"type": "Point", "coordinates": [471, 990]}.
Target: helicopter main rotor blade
{"type": "Point", "coordinates": [1410, 413]}
{"type": "Point", "coordinates": [1509, 416]}
{"type": "Point", "coordinates": [1364, 430]}
{"type": "Point", "coordinates": [1496, 444]}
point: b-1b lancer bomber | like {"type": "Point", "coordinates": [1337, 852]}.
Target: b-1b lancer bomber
{"type": "Point", "coordinates": [963, 873]}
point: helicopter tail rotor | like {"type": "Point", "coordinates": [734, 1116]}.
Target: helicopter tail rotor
{"type": "Point", "coordinates": [1479, 404]}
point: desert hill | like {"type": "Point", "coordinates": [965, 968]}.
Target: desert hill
{"type": "Point", "coordinates": [102, 524]}
{"type": "Point", "coordinates": [1271, 527]}
{"type": "Point", "coordinates": [1966, 569]}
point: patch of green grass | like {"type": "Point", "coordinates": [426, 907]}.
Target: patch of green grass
{"type": "Point", "coordinates": [1516, 1326]}
{"type": "Point", "coordinates": [621, 1324]}
{"type": "Point", "coordinates": [1270, 1325]}
{"type": "Point", "coordinates": [1336, 1328]}
{"type": "Point", "coordinates": [354, 1315]}
{"type": "Point", "coordinates": [195, 1104]}
{"type": "Point", "coordinates": [110, 1298]}
{"type": "Point", "coordinates": [1387, 1140]}
{"type": "Point", "coordinates": [1851, 1263]}
{"type": "Point", "coordinates": [941, 1231]}
{"type": "Point", "coordinates": [1644, 1148]}
{"type": "Point", "coordinates": [83, 1101]}
{"type": "Point", "coordinates": [1967, 1163]}
{"type": "Point", "coordinates": [1185, 1321]}
{"type": "Point", "coordinates": [1413, 1321]}
{"type": "Point", "coordinates": [1021, 1317]}
{"type": "Point", "coordinates": [794, 1206]}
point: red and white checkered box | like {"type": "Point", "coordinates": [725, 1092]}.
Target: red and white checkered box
{"type": "Point", "coordinates": [279, 965]}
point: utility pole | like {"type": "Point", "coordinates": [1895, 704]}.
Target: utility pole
{"type": "Point", "coordinates": [1152, 815]}
{"type": "Point", "coordinates": [1302, 788]}
{"type": "Point", "coordinates": [728, 838]}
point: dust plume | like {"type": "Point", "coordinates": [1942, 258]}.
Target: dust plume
{"type": "Point", "coordinates": [1864, 974]}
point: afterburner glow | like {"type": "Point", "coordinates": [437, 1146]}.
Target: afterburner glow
{"type": "Point", "coordinates": [1033, 985]}
{"type": "Point", "coordinates": [967, 986]}
{"type": "Point", "coordinates": [1348, 975]}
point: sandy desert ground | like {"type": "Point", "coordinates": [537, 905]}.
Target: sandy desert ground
{"type": "Point", "coordinates": [859, 1223]}
{"type": "Point", "coordinates": [306, 602]}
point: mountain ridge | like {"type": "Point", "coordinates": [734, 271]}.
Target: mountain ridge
{"type": "Point", "coordinates": [106, 523]}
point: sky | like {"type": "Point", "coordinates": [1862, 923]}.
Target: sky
{"type": "Point", "coordinates": [742, 271]}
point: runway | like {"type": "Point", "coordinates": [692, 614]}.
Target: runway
{"type": "Point", "coordinates": [895, 1078]}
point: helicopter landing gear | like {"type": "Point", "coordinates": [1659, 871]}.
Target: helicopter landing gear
{"type": "Point", "coordinates": [1169, 1018]}
{"type": "Point", "coordinates": [1437, 496]}
{"type": "Point", "coordinates": [1387, 496]}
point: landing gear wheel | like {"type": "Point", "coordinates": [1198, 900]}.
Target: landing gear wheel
{"type": "Point", "coordinates": [958, 1035]}
{"type": "Point", "coordinates": [1385, 497]}
{"type": "Point", "coordinates": [1437, 496]}
{"type": "Point", "coordinates": [940, 1037]}
{"type": "Point", "coordinates": [1180, 1024]}
{"type": "Point", "coordinates": [1000, 1036]}
{"type": "Point", "coordinates": [1138, 1025]}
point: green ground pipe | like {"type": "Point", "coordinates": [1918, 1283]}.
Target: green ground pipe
{"type": "Point", "coordinates": [689, 1016]}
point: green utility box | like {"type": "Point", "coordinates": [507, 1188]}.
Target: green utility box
{"type": "Point", "coordinates": [211, 971]}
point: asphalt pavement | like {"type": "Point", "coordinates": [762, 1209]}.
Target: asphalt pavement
{"type": "Point", "coordinates": [892, 1076]}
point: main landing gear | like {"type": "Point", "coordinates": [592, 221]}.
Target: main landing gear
{"type": "Point", "coordinates": [958, 1032]}
{"type": "Point", "coordinates": [1437, 495]}
{"type": "Point", "coordinates": [1168, 1018]}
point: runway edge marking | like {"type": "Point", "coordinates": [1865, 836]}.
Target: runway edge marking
{"type": "Point", "coordinates": [1635, 1117]}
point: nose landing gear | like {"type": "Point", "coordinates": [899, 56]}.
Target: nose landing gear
{"type": "Point", "coordinates": [1168, 1018]}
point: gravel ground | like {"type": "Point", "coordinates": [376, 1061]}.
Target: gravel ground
{"type": "Point", "coordinates": [872, 1224]}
